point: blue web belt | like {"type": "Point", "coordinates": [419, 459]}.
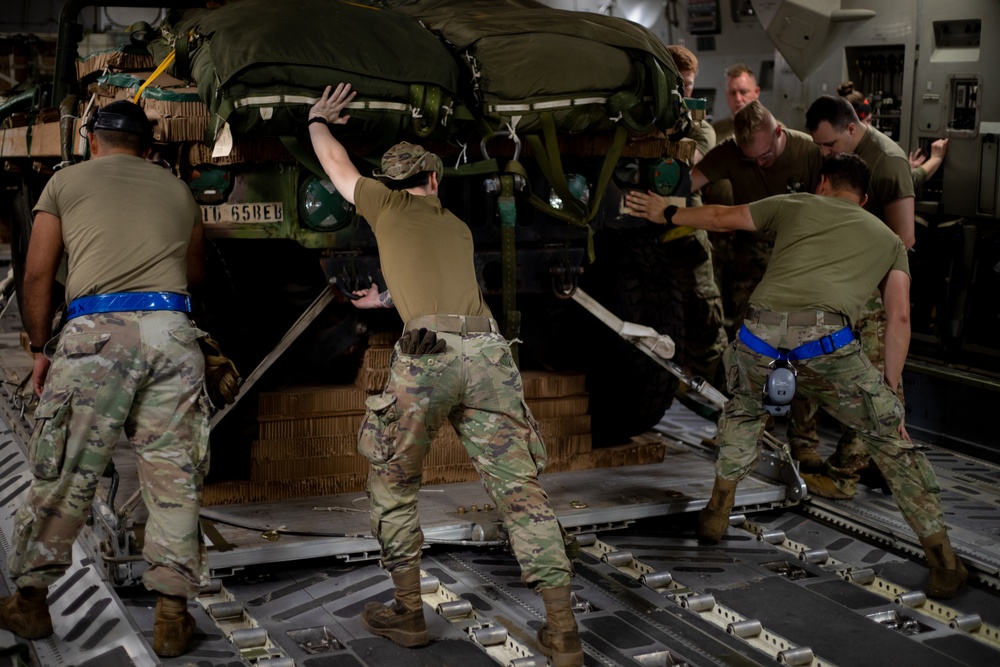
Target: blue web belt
{"type": "Point", "coordinates": [125, 301]}
{"type": "Point", "coordinates": [813, 348]}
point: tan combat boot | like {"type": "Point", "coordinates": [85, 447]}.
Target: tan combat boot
{"type": "Point", "coordinates": [26, 613]}
{"type": "Point", "coordinates": [559, 636]}
{"type": "Point", "coordinates": [948, 572]}
{"type": "Point", "coordinates": [825, 486]}
{"type": "Point", "coordinates": [172, 626]}
{"type": "Point", "coordinates": [403, 620]}
{"type": "Point", "coordinates": [714, 519]}
{"type": "Point", "coordinates": [807, 456]}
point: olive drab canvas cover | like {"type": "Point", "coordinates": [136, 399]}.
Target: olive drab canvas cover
{"type": "Point", "coordinates": [424, 68]}
{"type": "Point", "coordinates": [590, 71]}
{"type": "Point", "coordinates": [260, 64]}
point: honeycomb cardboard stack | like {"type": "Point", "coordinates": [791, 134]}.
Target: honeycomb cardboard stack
{"type": "Point", "coordinates": [307, 442]}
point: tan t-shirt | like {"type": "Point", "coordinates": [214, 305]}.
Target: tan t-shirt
{"type": "Point", "coordinates": [126, 225]}
{"type": "Point", "coordinates": [891, 177]}
{"type": "Point", "coordinates": [829, 254]}
{"type": "Point", "coordinates": [426, 252]}
{"type": "Point", "coordinates": [795, 170]}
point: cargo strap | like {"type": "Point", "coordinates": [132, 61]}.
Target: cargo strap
{"type": "Point", "coordinates": [180, 53]}
{"type": "Point", "coordinates": [119, 302]}
{"type": "Point", "coordinates": [507, 209]}
{"type": "Point", "coordinates": [549, 161]}
{"type": "Point", "coordinates": [813, 348]}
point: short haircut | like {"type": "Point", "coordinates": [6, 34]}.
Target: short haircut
{"type": "Point", "coordinates": [738, 69]}
{"type": "Point", "coordinates": [834, 109]}
{"type": "Point", "coordinates": [683, 58]}
{"type": "Point", "coordinates": [847, 171]}
{"type": "Point", "coordinates": [122, 141]}
{"type": "Point", "coordinates": [416, 181]}
{"type": "Point", "coordinates": [749, 120]}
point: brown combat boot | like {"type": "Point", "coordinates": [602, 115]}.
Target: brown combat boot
{"type": "Point", "coordinates": [714, 519]}
{"type": "Point", "coordinates": [403, 620]}
{"type": "Point", "coordinates": [172, 626]}
{"type": "Point", "coordinates": [825, 486]}
{"type": "Point", "coordinates": [559, 636]}
{"type": "Point", "coordinates": [26, 613]}
{"type": "Point", "coordinates": [948, 572]}
{"type": "Point", "coordinates": [807, 456]}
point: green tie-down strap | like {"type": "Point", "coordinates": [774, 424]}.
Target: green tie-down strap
{"type": "Point", "coordinates": [426, 102]}
{"type": "Point", "coordinates": [507, 208]}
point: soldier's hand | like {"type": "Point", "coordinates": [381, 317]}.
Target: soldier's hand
{"type": "Point", "coordinates": [939, 148]}
{"type": "Point", "coordinates": [332, 102]}
{"type": "Point", "coordinates": [40, 372]}
{"type": "Point", "coordinates": [369, 298]}
{"type": "Point", "coordinates": [646, 205]}
{"type": "Point", "coordinates": [222, 380]}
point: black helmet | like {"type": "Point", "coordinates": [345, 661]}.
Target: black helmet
{"type": "Point", "coordinates": [122, 116]}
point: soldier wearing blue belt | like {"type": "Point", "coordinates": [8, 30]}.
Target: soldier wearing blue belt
{"type": "Point", "coordinates": [128, 359]}
{"type": "Point", "coordinates": [829, 254]}
{"type": "Point", "coordinates": [451, 363]}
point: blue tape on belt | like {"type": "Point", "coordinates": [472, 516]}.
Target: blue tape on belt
{"type": "Point", "coordinates": [124, 301]}
{"type": "Point", "coordinates": [813, 348]}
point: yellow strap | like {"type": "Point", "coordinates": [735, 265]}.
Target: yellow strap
{"type": "Point", "coordinates": [167, 62]}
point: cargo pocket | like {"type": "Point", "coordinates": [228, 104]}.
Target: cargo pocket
{"type": "Point", "coordinates": [883, 406]}
{"type": "Point", "coordinates": [47, 446]}
{"type": "Point", "coordinates": [82, 344]}
{"type": "Point", "coordinates": [377, 437]}
{"type": "Point", "coordinates": [187, 335]}
{"type": "Point", "coordinates": [499, 355]}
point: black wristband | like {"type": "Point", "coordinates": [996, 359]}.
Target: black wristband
{"type": "Point", "coordinates": [318, 119]}
{"type": "Point", "coordinates": [668, 215]}
{"type": "Point", "coordinates": [36, 349]}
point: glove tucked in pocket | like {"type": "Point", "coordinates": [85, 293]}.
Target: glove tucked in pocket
{"type": "Point", "coordinates": [47, 446]}
{"type": "Point", "coordinates": [222, 380]}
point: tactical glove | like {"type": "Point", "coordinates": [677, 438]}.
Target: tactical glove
{"type": "Point", "coordinates": [222, 380]}
{"type": "Point", "coordinates": [421, 341]}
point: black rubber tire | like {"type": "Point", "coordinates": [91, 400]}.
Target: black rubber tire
{"type": "Point", "coordinates": [628, 391]}
{"type": "Point", "coordinates": [21, 223]}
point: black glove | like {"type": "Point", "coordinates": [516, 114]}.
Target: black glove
{"type": "Point", "coordinates": [222, 380]}
{"type": "Point", "coordinates": [421, 341]}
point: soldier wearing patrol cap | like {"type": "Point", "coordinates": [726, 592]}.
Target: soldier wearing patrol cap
{"type": "Point", "coordinates": [128, 359]}
{"type": "Point", "coordinates": [451, 363]}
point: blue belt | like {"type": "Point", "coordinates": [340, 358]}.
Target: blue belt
{"type": "Point", "coordinates": [125, 301]}
{"type": "Point", "coordinates": [813, 348]}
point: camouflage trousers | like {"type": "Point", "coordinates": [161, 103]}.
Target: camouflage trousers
{"type": "Point", "coordinates": [138, 371]}
{"type": "Point", "coordinates": [851, 455]}
{"type": "Point", "coordinates": [475, 385]}
{"type": "Point", "coordinates": [849, 387]}
{"type": "Point", "coordinates": [690, 262]}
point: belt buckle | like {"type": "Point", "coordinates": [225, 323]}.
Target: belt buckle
{"type": "Point", "coordinates": [826, 342]}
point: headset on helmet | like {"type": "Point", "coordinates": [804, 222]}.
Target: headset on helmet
{"type": "Point", "coordinates": [122, 116]}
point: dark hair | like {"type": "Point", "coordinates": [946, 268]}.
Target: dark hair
{"type": "Point", "coordinates": [835, 110]}
{"type": "Point", "coordinates": [847, 171]}
{"type": "Point", "coordinates": [861, 105]}
{"type": "Point", "coordinates": [415, 181]}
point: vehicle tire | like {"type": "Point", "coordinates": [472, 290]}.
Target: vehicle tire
{"type": "Point", "coordinates": [628, 391]}
{"type": "Point", "coordinates": [21, 222]}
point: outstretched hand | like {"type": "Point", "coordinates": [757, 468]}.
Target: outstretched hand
{"type": "Point", "coordinates": [917, 158]}
{"type": "Point", "coordinates": [646, 205]}
{"type": "Point", "coordinates": [332, 102]}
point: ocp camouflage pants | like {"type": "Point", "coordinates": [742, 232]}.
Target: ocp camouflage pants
{"type": "Point", "coordinates": [476, 386]}
{"type": "Point", "coordinates": [850, 388]}
{"type": "Point", "coordinates": [138, 371]}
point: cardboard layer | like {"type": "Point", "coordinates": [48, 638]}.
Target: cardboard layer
{"type": "Point", "coordinates": [372, 379]}
{"type": "Point", "coordinates": [377, 357]}
{"type": "Point", "coordinates": [544, 384]}
{"type": "Point", "coordinates": [263, 149]}
{"type": "Point", "coordinates": [315, 400]}
{"type": "Point", "coordinates": [304, 427]}
{"type": "Point", "coordinates": [299, 448]}
{"type": "Point", "coordinates": [114, 60]}
{"type": "Point", "coordinates": [566, 406]}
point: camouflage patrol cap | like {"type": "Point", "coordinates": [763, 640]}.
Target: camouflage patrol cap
{"type": "Point", "coordinates": [405, 160]}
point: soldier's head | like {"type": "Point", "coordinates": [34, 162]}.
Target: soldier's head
{"type": "Point", "coordinates": [121, 126]}
{"type": "Point", "coordinates": [407, 165]}
{"type": "Point", "coordinates": [759, 137]}
{"type": "Point", "coordinates": [834, 125]}
{"type": "Point", "coordinates": [844, 173]}
{"type": "Point", "coordinates": [741, 87]}
{"type": "Point", "coordinates": [687, 66]}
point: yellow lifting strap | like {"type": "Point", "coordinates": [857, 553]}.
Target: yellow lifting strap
{"type": "Point", "coordinates": [167, 62]}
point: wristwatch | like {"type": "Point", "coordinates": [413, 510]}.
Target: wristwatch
{"type": "Point", "coordinates": [36, 349]}
{"type": "Point", "coordinates": [318, 119]}
{"type": "Point", "coordinates": [668, 215]}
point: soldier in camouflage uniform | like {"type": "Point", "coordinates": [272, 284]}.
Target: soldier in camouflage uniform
{"type": "Point", "coordinates": [451, 363]}
{"type": "Point", "coordinates": [828, 255]}
{"type": "Point", "coordinates": [127, 359]}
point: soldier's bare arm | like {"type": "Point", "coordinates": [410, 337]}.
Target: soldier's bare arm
{"type": "Point", "coordinates": [899, 218]}
{"type": "Point", "coordinates": [196, 255]}
{"type": "Point", "coordinates": [331, 153]}
{"type": "Point", "coordinates": [698, 180]}
{"type": "Point", "coordinates": [45, 251]}
{"type": "Point", "coordinates": [896, 297]}
{"type": "Point", "coordinates": [715, 218]}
